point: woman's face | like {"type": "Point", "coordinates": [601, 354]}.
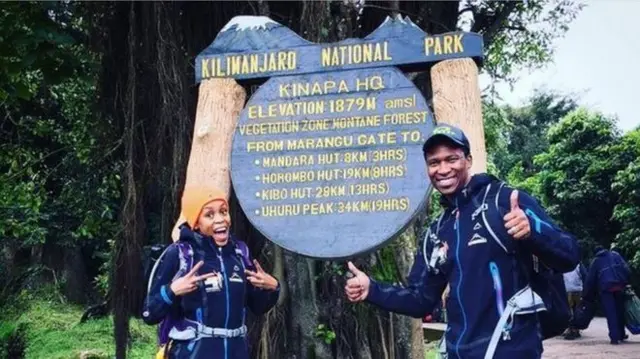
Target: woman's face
{"type": "Point", "coordinates": [215, 221]}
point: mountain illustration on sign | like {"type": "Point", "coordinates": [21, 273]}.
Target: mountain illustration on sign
{"type": "Point", "coordinates": [396, 28]}
{"type": "Point", "coordinates": [253, 33]}
{"type": "Point", "coordinates": [260, 33]}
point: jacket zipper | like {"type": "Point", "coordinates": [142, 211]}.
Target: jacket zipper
{"type": "Point", "coordinates": [459, 262]}
{"type": "Point", "coordinates": [226, 291]}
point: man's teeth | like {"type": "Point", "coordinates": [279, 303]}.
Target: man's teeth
{"type": "Point", "coordinates": [446, 181]}
{"type": "Point", "coordinates": [220, 230]}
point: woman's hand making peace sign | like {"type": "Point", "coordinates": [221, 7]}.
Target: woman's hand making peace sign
{"type": "Point", "coordinates": [189, 282]}
{"type": "Point", "coordinates": [260, 278]}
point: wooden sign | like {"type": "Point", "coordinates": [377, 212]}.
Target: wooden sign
{"type": "Point", "coordinates": [330, 165]}
{"type": "Point", "coordinates": [327, 156]}
{"type": "Point", "coordinates": [251, 47]}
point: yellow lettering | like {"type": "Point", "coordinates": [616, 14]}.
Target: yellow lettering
{"type": "Point", "coordinates": [245, 65]}
{"type": "Point", "coordinates": [387, 57]}
{"type": "Point", "coordinates": [457, 43]}
{"type": "Point", "coordinates": [288, 161]}
{"type": "Point", "coordinates": [254, 64]}
{"type": "Point", "coordinates": [218, 68]}
{"type": "Point", "coordinates": [273, 66]}
{"type": "Point", "coordinates": [282, 61]}
{"type": "Point", "coordinates": [265, 146]}
{"type": "Point", "coordinates": [265, 62]}
{"type": "Point", "coordinates": [204, 66]}
{"type": "Point", "coordinates": [428, 44]}
{"type": "Point", "coordinates": [252, 112]}
{"type": "Point", "coordinates": [448, 42]}
{"type": "Point", "coordinates": [355, 54]}
{"type": "Point", "coordinates": [343, 87]}
{"type": "Point", "coordinates": [235, 64]}
{"type": "Point", "coordinates": [325, 56]}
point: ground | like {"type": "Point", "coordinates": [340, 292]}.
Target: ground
{"type": "Point", "coordinates": [593, 344]}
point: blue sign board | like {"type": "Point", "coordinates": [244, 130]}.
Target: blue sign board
{"type": "Point", "coordinates": [251, 47]}
{"type": "Point", "coordinates": [330, 165]}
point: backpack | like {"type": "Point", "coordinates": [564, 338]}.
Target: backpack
{"type": "Point", "coordinates": [545, 282]}
{"type": "Point", "coordinates": [185, 255]}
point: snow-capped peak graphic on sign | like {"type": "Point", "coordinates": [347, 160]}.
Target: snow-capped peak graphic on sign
{"type": "Point", "coordinates": [241, 23]}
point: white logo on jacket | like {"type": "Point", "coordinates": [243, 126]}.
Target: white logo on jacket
{"type": "Point", "coordinates": [476, 239]}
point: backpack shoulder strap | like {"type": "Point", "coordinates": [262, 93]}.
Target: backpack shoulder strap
{"type": "Point", "coordinates": [242, 252]}
{"type": "Point", "coordinates": [155, 267]}
{"type": "Point", "coordinates": [483, 209]}
{"type": "Point", "coordinates": [429, 235]}
{"type": "Point", "coordinates": [185, 254]}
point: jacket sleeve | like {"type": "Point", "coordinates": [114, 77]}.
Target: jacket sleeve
{"type": "Point", "coordinates": [261, 300]}
{"type": "Point", "coordinates": [583, 272]}
{"type": "Point", "coordinates": [425, 286]}
{"type": "Point", "coordinates": [590, 285]}
{"type": "Point", "coordinates": [624, 265]}
{"type": "Point", "coordinates": [554, 247]}
{"type": "Point", "coordinates": [160, 298]}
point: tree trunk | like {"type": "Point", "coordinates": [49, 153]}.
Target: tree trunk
{"type": "Point", "coordinates": [408, 342]}
{"type": "Point", "coordinates": [75, 275]}
{"type": "Point", "coordinates": [456, 99]}
{"type": "Point", "coordinates": [219, 104]}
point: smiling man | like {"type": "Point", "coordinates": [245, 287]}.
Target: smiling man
{"type": "Point", "coordinates": [490, 245]}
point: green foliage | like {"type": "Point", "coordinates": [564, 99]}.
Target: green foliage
{"type": "Point", "coordinates": [576, 175]}
{"type": "Point", "coordinates": [385, 268]}
{"type": "Point", "coordinates": [58, 181]}
{"type": "Point", "coordinates": [627, 210]}
{"type": "Point", "coordinates": [527, 32]}
{"type": "Point", "coordinates": [13, 341]}
{"type": "Point", "coordinates": [576, 162]}
{"type": "Point", "coordinates": [325, 333]}
{"type": "Point", "coordinates": [514, 135]}
{"type": "Point", "coordinates": [53, 330]}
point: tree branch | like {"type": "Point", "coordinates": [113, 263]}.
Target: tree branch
{"type": "Point", "coordinates": [516, 28]}
{"type": "Point", "coordinates": [492, 24]}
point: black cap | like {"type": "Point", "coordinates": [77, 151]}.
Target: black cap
{"type": "Point", "coordinates": [451, 133]}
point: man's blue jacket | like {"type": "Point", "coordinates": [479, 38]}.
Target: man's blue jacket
{"type": "Point", "coordinates": [482, 273]}
{"type": "Point", "coordinates": [608, 272]}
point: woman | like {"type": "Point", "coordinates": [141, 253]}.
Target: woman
{"type": "Point", "coordinates": [202, 307]}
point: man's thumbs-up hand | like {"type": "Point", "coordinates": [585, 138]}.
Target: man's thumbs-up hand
{"type": "Point", "coordinates": [357, 287]}
{"type": "Point", "coordinates": [516, 221]}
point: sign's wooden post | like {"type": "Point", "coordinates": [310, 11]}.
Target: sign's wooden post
{"type": "Point", "coordinates": [456, 101]}
{"type": "Point", "coordinates": [220, 101]}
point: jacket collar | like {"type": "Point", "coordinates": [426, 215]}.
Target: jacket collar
{"type": "Point", "coordinates": [205, 242]}
{"type": "Point", "coordinates": [476, 184]}
{"type": "Point", "coordinates": [601, 253]}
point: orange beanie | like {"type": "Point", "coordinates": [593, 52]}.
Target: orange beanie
{"type": "Point", "coordinates": [195, 198]}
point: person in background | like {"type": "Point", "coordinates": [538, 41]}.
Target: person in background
{"type": "Point", "coordinates": [573, 282]}
{"type": "Point", "coordinates": [608, 276]}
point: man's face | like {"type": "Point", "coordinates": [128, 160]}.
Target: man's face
{"type": "Point", "coordinates": [447, 167]}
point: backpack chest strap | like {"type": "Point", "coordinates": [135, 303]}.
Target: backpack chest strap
{"type": "Point", "coordinates": [196, 331]}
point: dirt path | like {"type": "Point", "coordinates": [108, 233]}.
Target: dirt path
{"type": "Point", "coordinates": [593, 344]}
